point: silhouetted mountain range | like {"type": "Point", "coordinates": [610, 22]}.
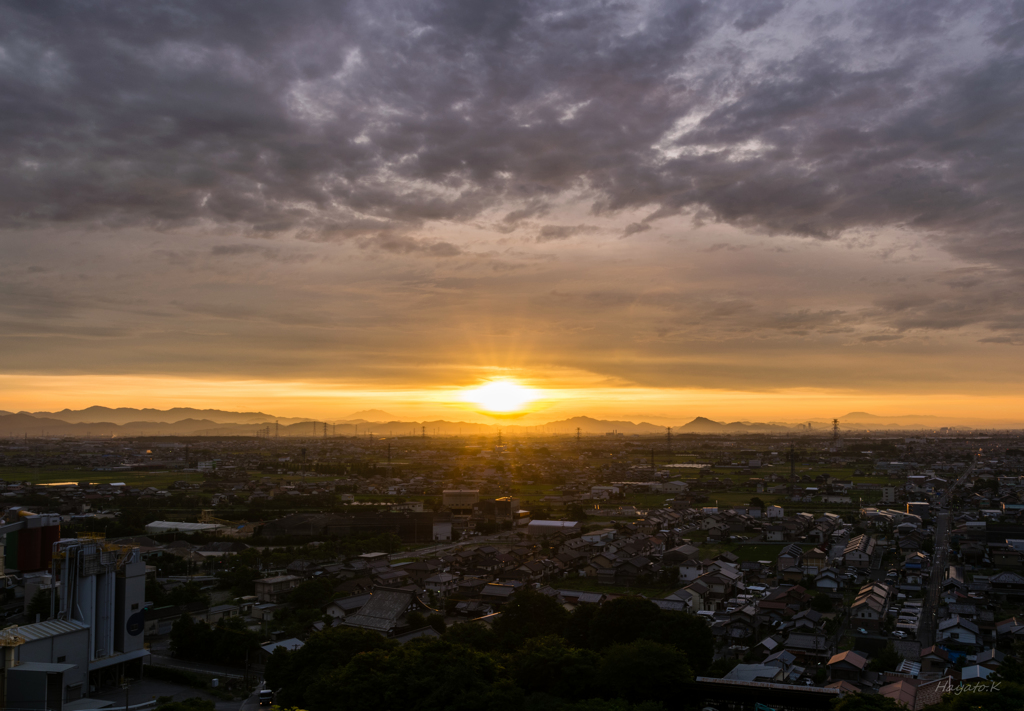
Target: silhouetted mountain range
{"type": "Point", "coordinates": [130, 422]}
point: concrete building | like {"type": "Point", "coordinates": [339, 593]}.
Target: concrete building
{"type": "Point", "coordinates": [274, 589]}
{"type": "Point", "coordinates": [94, 636]}
{"type": "Point", "coordinates": [182, 527]}
{"type": "Point", "coordinates": [460, 501]}
{"type": "Point", "coordinates": [547, 528]}
{"type": "Point", "coordinates": [888, 495]}
{"type": "Point", "coordinates": [918, 508]}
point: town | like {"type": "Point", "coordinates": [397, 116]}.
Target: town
{"type": "Point", "coordinates": [812, 567]}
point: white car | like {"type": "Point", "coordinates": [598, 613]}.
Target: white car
{"type": "Point", "coordinates": [862, 630]}
{"type": "Point", "coordinates": [899, 634]}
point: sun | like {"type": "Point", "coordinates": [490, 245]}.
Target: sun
{"type": "Point", "coordinates": [502, 398]}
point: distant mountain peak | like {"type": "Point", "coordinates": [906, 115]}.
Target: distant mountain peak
{"type": "Point", "coordinates": [372, 416]}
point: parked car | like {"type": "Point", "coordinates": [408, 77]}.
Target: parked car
{"type": "Point", "coordinates": [899, 634]}
{"type": "Point", "coordinates": [862, 630]}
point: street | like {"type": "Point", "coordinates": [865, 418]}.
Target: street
{"type": "Point", "coordinates": [926, 631]}
{"type": "Point", "coordinates": [253, 702]}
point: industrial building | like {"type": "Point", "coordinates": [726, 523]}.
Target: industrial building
{"type": "Point", "coordinates": [94, 636]}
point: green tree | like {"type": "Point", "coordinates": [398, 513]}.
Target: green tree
{"type": "Point", "coordinates": [312, 594]}
{"type": "Point", "coordinates": [473, 635]}
{"type": "Point", "coordinates": [436, 621]}
{"type": "Point", "coordinates": [40, 605]}
{"type": "Point", "coordinates": [720, 667]}
{"type": "Point", "coordinates": [690, 634]}
{"type": "Point", "coordinates": [577, 628]}
{"type": "Point", "coordinates": [429, 674]}
{"type": "Point", "coordinates": [821, 602]}
{"type": "Point", "coordinates": [187, 594]}
{"type": "Point", "coordinates": [624, 620]}
{"type": "Point", "coordinates": [756, 502]}
{"type": "Point", "coordinates": [644, 671]}
{"type": "Point", "coordinates": [886, 660]}
{"type": "Point", "coordinates": [549, 665]}
{"type": "Point", "coordinates": [529, 614]}
{"type": "Point", "coordinates": [193, 704]}
{"type": "Point", "coordinates": [295, 672]}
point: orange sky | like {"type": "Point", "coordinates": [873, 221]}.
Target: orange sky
{"type": "Point", "coordinates": [658, 405]}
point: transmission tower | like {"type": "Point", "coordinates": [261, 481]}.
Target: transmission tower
{"type": "Point", "coordinates": [423, 432]}
{"type": "Point", "coordinates": [835, 433]}
{"type": "Point", "coordinates": [668, 438]}
{"type": "Point", "coordinates": [499, 438]}
{"type": "Point", "coordinates": [577, 436]}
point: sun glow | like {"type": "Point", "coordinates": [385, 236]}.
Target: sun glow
{"type": "Point", "coordinates": [502, 398]}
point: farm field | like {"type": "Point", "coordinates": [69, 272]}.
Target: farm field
{"type": "Point", "coordinates": [60, 474]}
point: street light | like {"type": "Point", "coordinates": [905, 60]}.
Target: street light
{"type": "Point", "coordinates": [126, 684]}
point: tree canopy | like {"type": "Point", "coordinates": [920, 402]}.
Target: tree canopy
{"type": "Point", "coordinates": [628, 655]}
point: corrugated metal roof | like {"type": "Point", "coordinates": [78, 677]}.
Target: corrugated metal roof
{"type": "Point", "coordinates": [50, 628]}
{"type": "Point", "coordinates": [382, 610]}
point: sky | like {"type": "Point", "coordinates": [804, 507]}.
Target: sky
{"type": "Point", "coordinates": [774, 210]}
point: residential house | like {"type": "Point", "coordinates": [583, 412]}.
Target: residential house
{"type": "Point", "coordinates": [958, 631]}
{"type": "Point", "coordinates": [848, 666]}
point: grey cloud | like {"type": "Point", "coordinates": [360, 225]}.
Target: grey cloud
{"type": "Point", "coordinates": [880, 338]}
{"type": "Point", "coordinates": [756, 14]}
{"type": "Point", "coordinates": [550, 233]}
{"type": "Point", "coordinates": [278, 118]}
{"type": "Point", "coordinates": [1005, 340]}
{"type": "Point", "coordinates": [400, 244]}
{"type": "Point", "coordinates": [269, 253]}
{"type": "Point", "coordinates": [635, 228]}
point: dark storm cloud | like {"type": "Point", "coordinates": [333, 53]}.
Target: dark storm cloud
{"type": "Point", "coordinates": [359, 121]}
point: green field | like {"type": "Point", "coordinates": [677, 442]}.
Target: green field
{"type": "Point", "coordinates": [60, 474]}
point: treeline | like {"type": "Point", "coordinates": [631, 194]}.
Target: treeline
{"type": "Point", "coordinates": [627, 655]}
{"type": "Point", "coordinates": [227, 642]}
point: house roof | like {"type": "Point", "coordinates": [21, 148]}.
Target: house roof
{"type": "Point", "coordinates": [902, 692]}
{"type": "Point", "coordinates": [957, 621]}
{"type": "Point", "coordinates": [290, 644]}
{"type": "Point", "coordinates": [850, 657]}
{"type": "Point", "coordinates": [754, 672]}
{"type": "Point", "coordinates": [382, 611]}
